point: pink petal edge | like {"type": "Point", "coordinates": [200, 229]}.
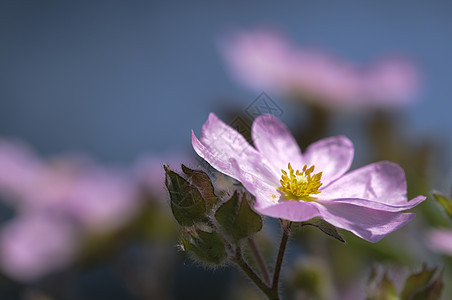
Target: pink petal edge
{"type": "Point", "coordinates": [379, 182]}
{"type": "Point", "coordinates": [333, 156]}
{"type": "Point", "coordinates": [367, 223]}
{"type": "Point", "coordinates": [219, 143]}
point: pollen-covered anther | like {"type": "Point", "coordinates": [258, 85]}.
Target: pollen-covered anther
{"type": "Point", "coordinates": [300, 185]}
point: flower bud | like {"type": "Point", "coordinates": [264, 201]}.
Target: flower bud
{"type": "Point", "coordinates": [427, 284]}
{"type": "Point", "coordinates": [187, 203]}
{"type": "Point", "coordinates": [208, 246]}
{"type": "Point", "coordinates": [237, 219]}
{"type": "Point", "coordinates": [385, 290]}
{"type": "Point", "coordinates": [201, 180]}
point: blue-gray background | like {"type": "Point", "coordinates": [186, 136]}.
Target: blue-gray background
{"type": "Point", "coordinates": [120, 78]}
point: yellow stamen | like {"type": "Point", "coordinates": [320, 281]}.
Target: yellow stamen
{"type": "Point", "coordinates": [300, 185]}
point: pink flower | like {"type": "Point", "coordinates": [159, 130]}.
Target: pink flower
{"type": "Point", "coordinates": [297, 187]}
{"type": "Point", "coordinates": [390, 82]}
{"type": "Point", "coordinates": [102, 199]}
{"type": "Point", "coordinates": [57, 202]}
{"type": "Point", "coordinates": [260, 60]}
{"type": "Point", "coordinates": [99, 199]}
{"type": "Point", "coordinates": [18, 168]}
{"type": "Point", "coordinates": [34, 245]}
{"type": "Point", "coordinates": [440, 240]}
{"type": "Point", "coordinates": [266, 60]}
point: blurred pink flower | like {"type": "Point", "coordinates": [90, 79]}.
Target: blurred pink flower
{"type": "Point", "coordinates": [297, 187]}
{"type": "Point", "coordinates": [103, 200]}
{"type": "Point", "coordinates": [265, 60]}
{"type": "Point", "coordinates": [440, 240]}
{"type": "Point", "coordinates": [97, 198]}
{"type": "Point", "coordinates": [57, 201]}
{"type": "Point", "coordinates": [261, 60]}
{"type": "Point", "coordinates": [34, 245]}
{"type": "Point", "coordinates": [390, 82]}
{"type": "Point", "coordinates": [18, 168]}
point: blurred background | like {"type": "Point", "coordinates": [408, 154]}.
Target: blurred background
{"type": "Point", "coordinates": [96, 95]}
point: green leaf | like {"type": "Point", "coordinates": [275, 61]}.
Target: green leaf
{"type": "Point", "coordinates": [237, 219]}
{"type": "Point", "coordinates": [445, 202]}
{"type": "Point", "coordinates": [208, 247]}
{"type": "Point", "coordinates": [420, 285]}
{"type": "Point", "coordinates": [325, 227]}
{"type": "Point", "coordinates": [385, 290]}
{"type": "Point", "coordinates": [202, 181]}
{"type": "Point", "coordinates": [187, 203]}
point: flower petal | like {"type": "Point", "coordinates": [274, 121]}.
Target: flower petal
{"type": "Point", "coordinates": [382, 182]}
{"type": "Point", "coordinates": [296, 211]}
{"type": "Point", "coordinates": [274, 141]}
{"type": "Point", "coordinates": [333, 156]}
{"type": "Point", "coordinates": [219, 143]}
{"type": "Point", "coordinates": [266, 194]}
{"type": "Point", "coordinates": [379, 205]}
{"type": "Point", "coordinates": [269, 202]}
{"type": "Point", "coordinates": [367, 223]}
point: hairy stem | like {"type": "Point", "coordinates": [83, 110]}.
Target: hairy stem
{"type": "Point", "coordinates": [239, 260]}
{"type": "Point", "coordinates": [272, 292]}
{"type": "Point", "coordinates": [259, 259]}
{"type": "Point", "coordinates": [282, 248]}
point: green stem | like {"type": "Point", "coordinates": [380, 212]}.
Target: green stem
{"type": "Point", "coordinates": [282, 248]}
{"type": "Point", "coordinates": [251, 273]}
{"type": "Point", "coordinates": [272, 292]}
{"type": "Point", "coordinates": [259, 259]}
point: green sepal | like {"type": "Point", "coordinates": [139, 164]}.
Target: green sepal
{"type": "Point", "coordinates": [422, 285]}
{"type": "Point", "coordinates": [445, 202]}
{"type": "Point", "coordinates": [202, 181]}
{"type": "Point", "coordinates": [237, 219]}
{"type": "Point", "coordinates": [325, 227]}
{"type": "Point", "coordinates": [208, 246]}
{"type": "Point", "coordinates": [187, 203]}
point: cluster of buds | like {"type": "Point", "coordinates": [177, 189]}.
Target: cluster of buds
{"type": "Point", "coordinates": [212, 226]}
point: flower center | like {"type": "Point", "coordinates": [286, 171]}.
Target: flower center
{"type": "Point", "coordinates": [300, 185]}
